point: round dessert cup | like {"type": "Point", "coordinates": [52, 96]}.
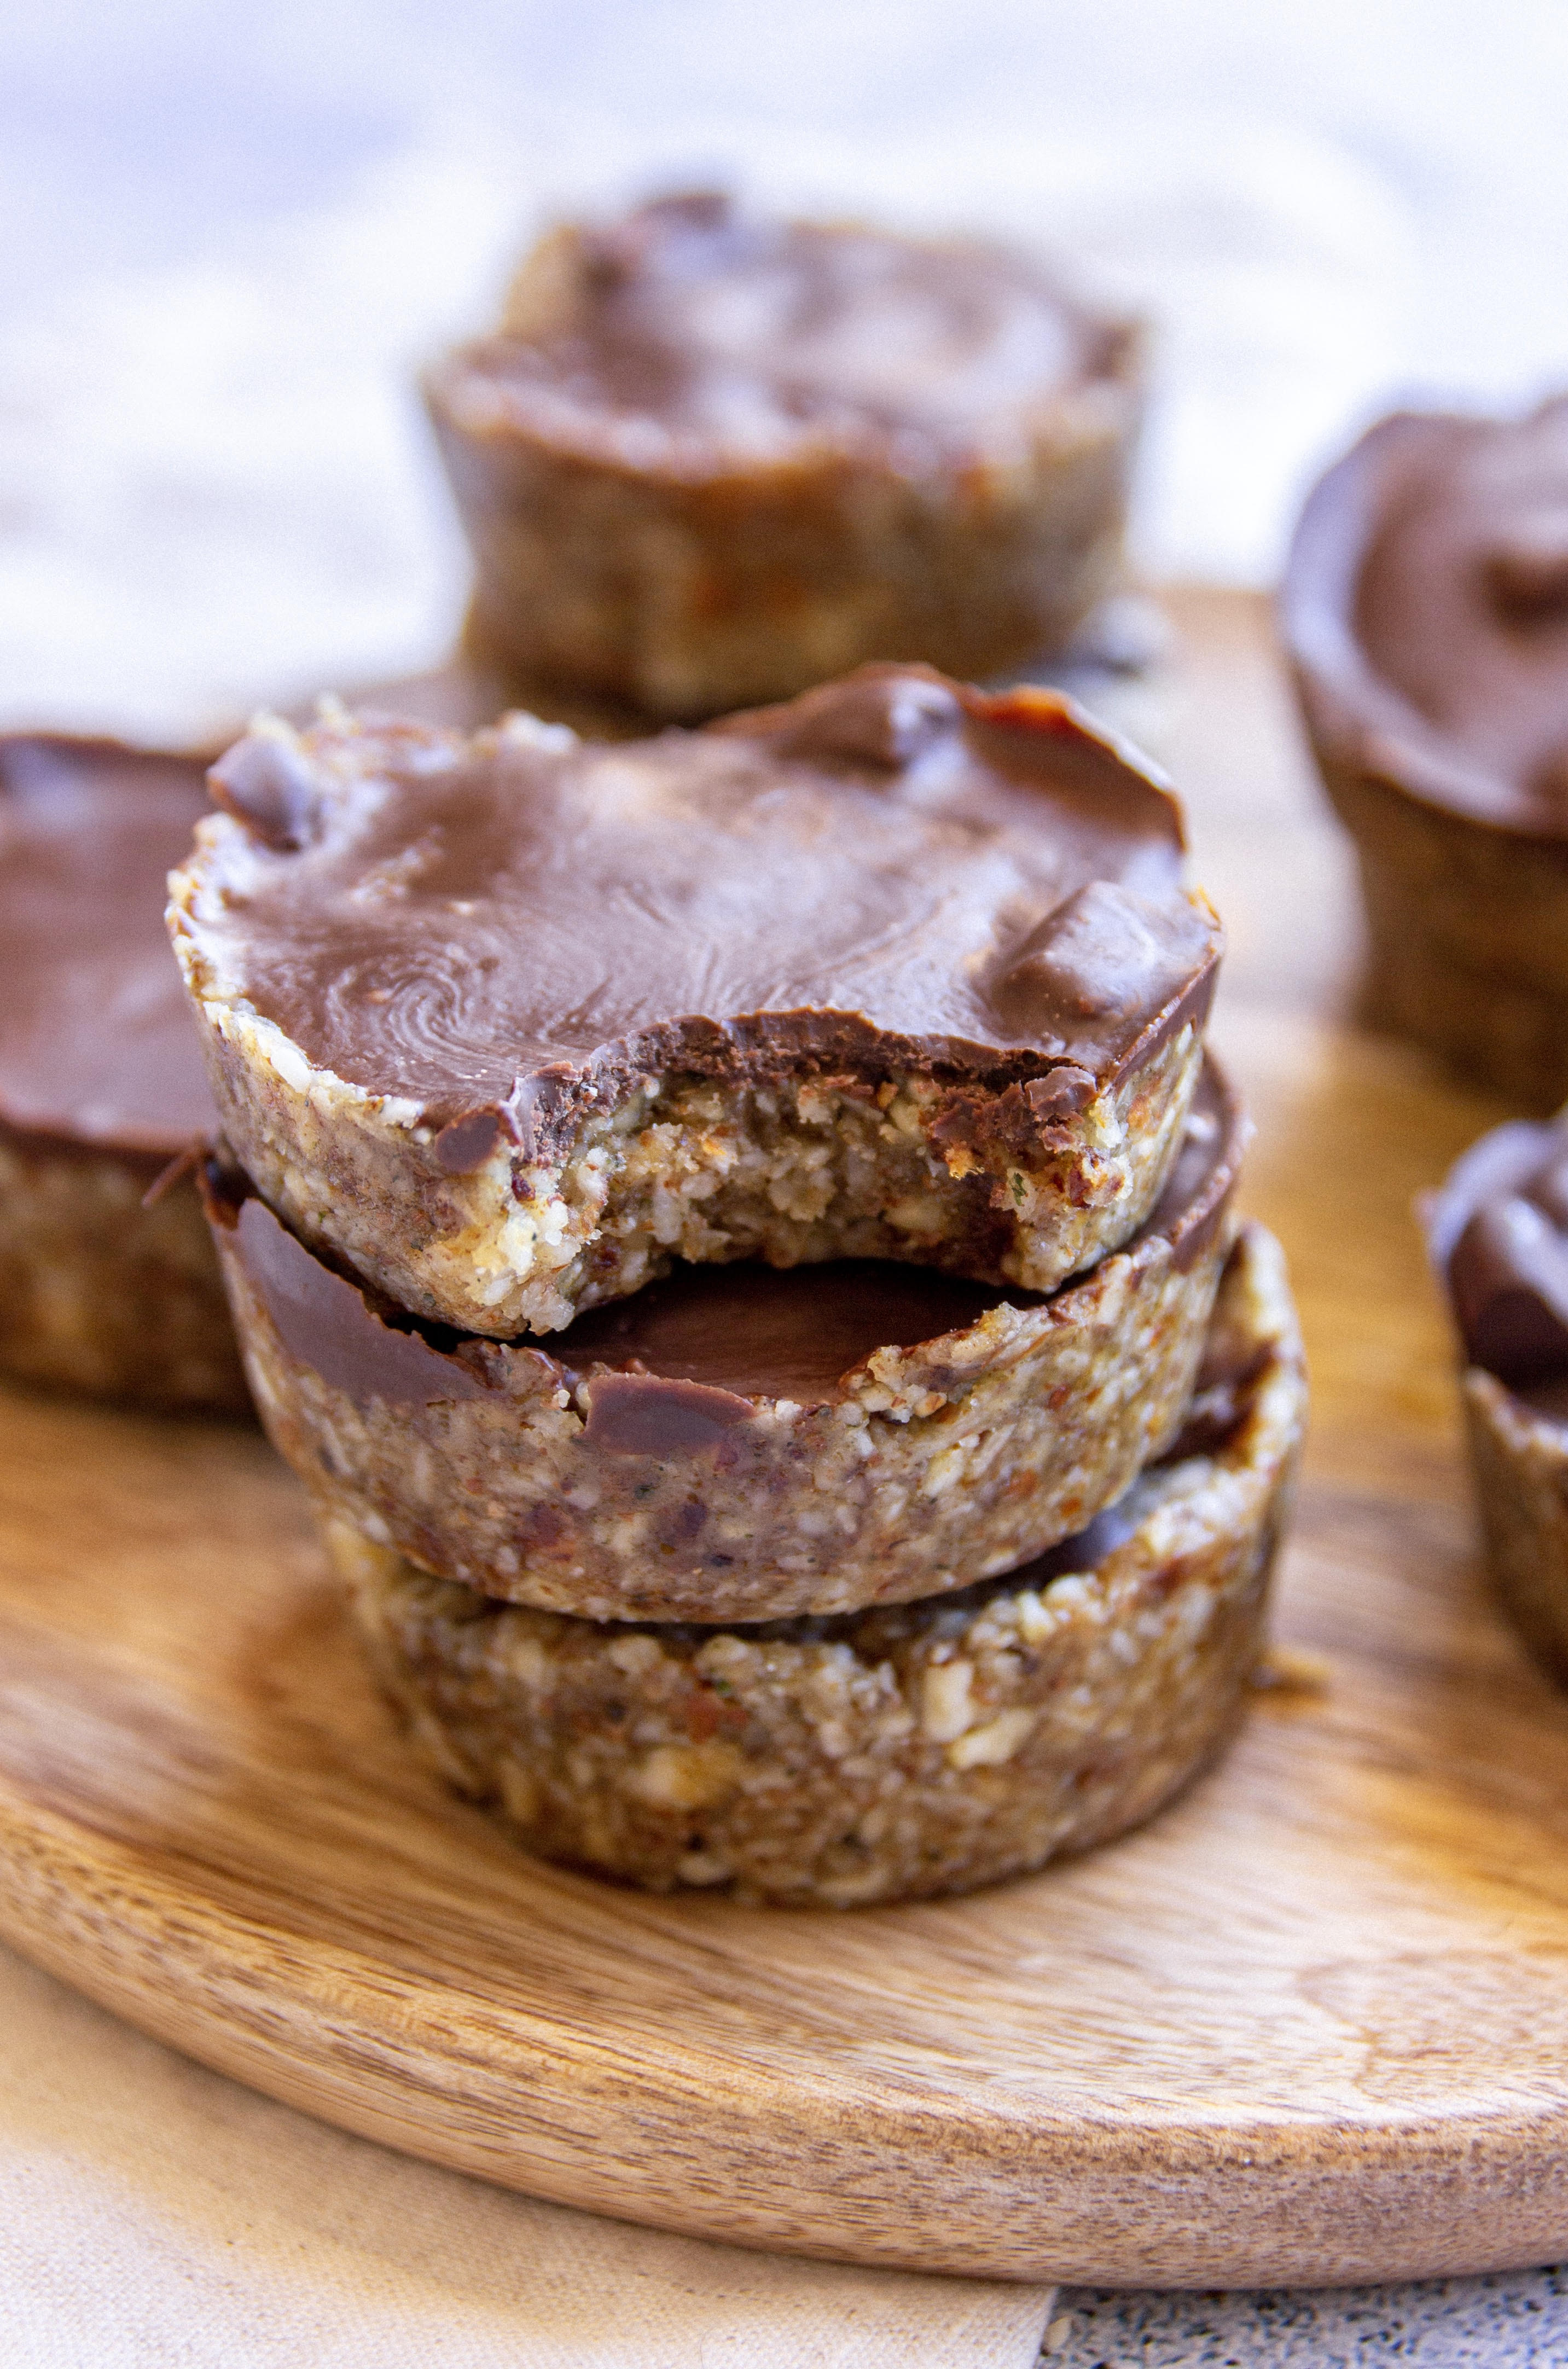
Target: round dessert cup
{"type": "Point", "coordinates": [897, 1753]}
{"type": "Point", "coordinates": [688, 569]}
{"type": "Point", "coordinates": [512, 1022]}
{"type": "Point", "coordinates": [737, 1444]}
{"type": "Point", "coordinates": [1465, 886]}
{"type": "Point", "coordinates": [101, 1087]}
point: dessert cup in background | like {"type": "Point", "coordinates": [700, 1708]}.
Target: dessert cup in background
{"type": "Point", "coordinates": [709, 458]}
{"type": "Point", "coordinates": [1425, 614]}
{"type": "Point", "coordinates": [101, 1083]}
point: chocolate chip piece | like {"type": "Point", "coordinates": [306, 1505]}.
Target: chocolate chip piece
{"type": "Point", "coordinates": [1508, 1275]}
{"type": "Point", "coordinates": [878, 717]}
{"type": "Point", "coordinates": [468, 1142]}
{"type": "Point", "coordinates": [267, 782]}
{"type": "Point", "coordinates": [1527, 569]}
{"type": "Point", "coordinates": [1104, 952]}
{"type": "Point", "coordinates": [638, 1414]}
{"type": "Point", "coordinates": [1060, 1094]}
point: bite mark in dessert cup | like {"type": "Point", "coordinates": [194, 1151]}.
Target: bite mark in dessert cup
{"type": "Point", "coordinates": [511, 1021]}
{"type": "Point", "coordinates": [101, 1083]}
{"type": "Point", "coordinates": [1498, 1233]}
{"type": "Point", "coordinates": [711, 460]}
{"type": "Point", "coordinates": [898, 1753]}
{"type": "Point", "coordinates": [1425, 612]}
{"type": "Point", "coordinates": [735, 1444]}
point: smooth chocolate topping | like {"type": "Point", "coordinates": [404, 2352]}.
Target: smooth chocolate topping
{"type": "Point", "coordinates": [787, 1333]}
{"type": "Point", "coordinates": [691, 338]}
{"type": "Point", "coordinates": [889, 873]}
{"type": "Point", "coordinates": [673, 1367]}
{"type": "Point", "coordinates": [1498, 1229]}
{"type": "Point", "coordinates": [329, 1324]}
{"type": "Point", "coordinates": [97, 1040]}
{"type": "Point", "coordinates": [1458, 604]}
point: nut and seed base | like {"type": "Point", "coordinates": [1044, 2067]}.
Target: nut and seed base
{"type": "Point", "coordinates": [895, 1753]}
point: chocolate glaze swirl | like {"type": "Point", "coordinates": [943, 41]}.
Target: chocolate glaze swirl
{"type": "Point", "coordinates": [98, 1046]}
{"type": "Point", "coordinates": [691, 337]}
{"type": "Point", "coordinates": [890, 873]}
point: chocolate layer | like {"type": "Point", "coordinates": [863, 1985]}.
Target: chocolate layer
{"type": "Point", "coordinates": [690, 1353]}
{"type": "Point", "coordinates": [670, 1369]}
{"type": "Point", "coordinates": [1428, 600]}
{"type": "Point", "coordinates": [1499, 1232]}
{"type": "Point", "coordinates": [97, 1041]}
{"type": "Point", "coordinates": [691, 339]}
{"type": "Point", "coordinates": [892, 873]}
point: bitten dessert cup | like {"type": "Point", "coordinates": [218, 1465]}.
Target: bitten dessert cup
{"type": "Point", "coordinates": [735, 1444]}
{"type": "Point", "coordinates": [510, 1022]}
{"type": "Point", "coordinates": [710, 459]}
{"type": "Point", "coordinates": [896, 1753]}
{"type": "Point", "coordinates": [101, 1083]}
{"type": "Point", "coordinates": [1498, 1233]}
{"type": "Point", "coordinates": [1425, 612]}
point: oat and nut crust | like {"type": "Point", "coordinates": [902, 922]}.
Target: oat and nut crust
{"type": "Point", "coordinates": [895, 1753]}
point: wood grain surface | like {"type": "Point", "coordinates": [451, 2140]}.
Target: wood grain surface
{"type": "Point", "coordinates": [1311, 2025]}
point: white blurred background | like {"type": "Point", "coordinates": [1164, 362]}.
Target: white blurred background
{"type": "Point", "coordinates": [230, 235]}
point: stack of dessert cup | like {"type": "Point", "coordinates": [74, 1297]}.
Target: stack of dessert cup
{"type": "Point", "coordinates": [735, 1233]}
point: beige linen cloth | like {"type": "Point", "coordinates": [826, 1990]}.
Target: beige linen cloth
{"type": "Point", "coordinates": [155, 2215]}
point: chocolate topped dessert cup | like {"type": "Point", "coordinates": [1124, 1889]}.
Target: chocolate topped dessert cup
{"type": "Point", "coordinates": [1426, 611]}
{"type": "Point", "coordinates": [511, 1023]}
{"type": "Point", "coordinates": [1498, 1233]}
{"type": "Point", "coordinates": [735, 1443]}
{"type": "Point", "coordinates": [710, 459]}
{"type": "Point", "coordinates": [893, 1754]}
{"type": "Point", "coordinates": [101, 1083]}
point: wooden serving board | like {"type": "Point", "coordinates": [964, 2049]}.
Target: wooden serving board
{"type": "Point", "coordinates": [1311, 2025]}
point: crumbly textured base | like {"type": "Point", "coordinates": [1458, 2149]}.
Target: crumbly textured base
{"type": "Point", "coordinates": [939, 1465]}
{"type": "Point", "coordinates": [1519, 1461]}
{"type": "Point", "coordinates": [819, 1168]}
{"type": "Point", "coordinates": [101, 1296]}
{"type": "Point", "coordinates": [900, 1753]}
{"type": "Point", "coordinates": [1468, 930]}
{"type": "Point", "coordinates": [688, 597]}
